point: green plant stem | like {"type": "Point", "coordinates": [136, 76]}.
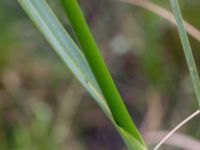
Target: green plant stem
{"type": "Point", "coordinates": [186, 48]}
{"type": "Point", "coordinates": [99, 68]}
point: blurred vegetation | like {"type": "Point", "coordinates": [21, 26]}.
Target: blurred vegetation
{"type": "Point", "coordinates": [42, 107]}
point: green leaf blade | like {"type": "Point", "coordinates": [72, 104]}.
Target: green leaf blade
{"type": "Point", "coordinates": [63, 45]}
{"type": "Point", "coordinates": [71, 55]}
{"type": "Point", "coordinates": [187, 49]}
{"type": "Point", "coordinates": [99, 68]}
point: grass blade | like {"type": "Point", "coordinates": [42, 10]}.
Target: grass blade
{"type": "Point", "coordinates": [186, 48]}
{"type": "Point", "coordinates": [64, 46]}
{"type": "Point", "coordinates": [99, 68]}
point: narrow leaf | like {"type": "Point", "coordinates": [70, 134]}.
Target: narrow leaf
{"type": "Point", "coordinates": [99, 69]}
{"type": "Point", "coordinates": [186, 48]}
{"type": "Point", "coordinates": [64, 46]}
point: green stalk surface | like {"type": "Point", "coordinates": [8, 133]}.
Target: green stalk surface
{"type": "Point", "coordinates": [99, 69]}
{"type": "Point", "coordinates": [186, 48]}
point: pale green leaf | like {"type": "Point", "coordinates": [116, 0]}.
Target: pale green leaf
{"type": "Point", "coordinates": [186, 48]}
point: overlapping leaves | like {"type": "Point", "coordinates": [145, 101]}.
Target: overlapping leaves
{"type": "Point", "coordinates": [71, 55]}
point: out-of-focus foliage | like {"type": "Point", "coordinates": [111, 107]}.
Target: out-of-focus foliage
{"type": "Point", "coordinates": [43, 107]}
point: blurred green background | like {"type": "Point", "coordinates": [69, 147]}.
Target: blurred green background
{"type": "Point", "coordinates": [43, 107]}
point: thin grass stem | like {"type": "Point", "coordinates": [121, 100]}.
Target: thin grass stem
{"type": "Point", "coordinates": [176, 128]}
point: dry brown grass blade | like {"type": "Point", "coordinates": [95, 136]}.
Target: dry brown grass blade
{"type": "Point", "coordinates": [166, 14]}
